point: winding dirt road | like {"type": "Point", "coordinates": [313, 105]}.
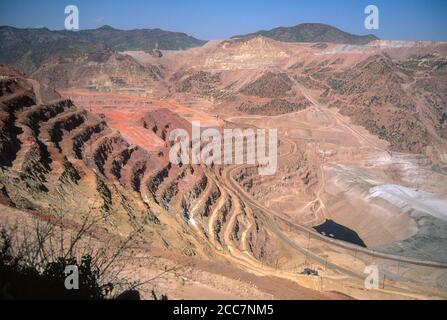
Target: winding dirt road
{"type": "Point", "coordinates": [269, 214]}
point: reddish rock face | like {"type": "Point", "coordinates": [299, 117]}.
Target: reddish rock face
{"type": "Point", "coordinates": [107, 155]}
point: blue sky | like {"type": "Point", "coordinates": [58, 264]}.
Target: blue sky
{"type": "Point", "coordinates": [211, 19]}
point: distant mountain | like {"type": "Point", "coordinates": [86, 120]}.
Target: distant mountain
{"type": "Point", "coordinates": [312, 32]}
{"type": "Point", "coordinates": [27, 49]}
{"type": "Point", "coordinates": [139, 39]}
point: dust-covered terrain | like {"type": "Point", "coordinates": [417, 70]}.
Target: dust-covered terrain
{"type": "Point", "coordinates": [362, 160]}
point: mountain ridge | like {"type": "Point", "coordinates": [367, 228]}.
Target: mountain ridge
{"type": "Point", "coordinates": [28, 48]}
{"type": "Point", "coordinates": [313, 33]}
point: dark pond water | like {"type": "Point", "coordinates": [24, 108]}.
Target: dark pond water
{"type": "Point", "coordinates": [337, 231]}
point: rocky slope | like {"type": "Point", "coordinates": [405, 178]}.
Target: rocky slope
{"type": "Point", "coordinates": [103, 70]}
{"type": "Point", "coordinates": [400, 101]}
{"type": "Point", "coordinates": [59, 159]}
{"type": "Point", "coordinates": [393, 89]}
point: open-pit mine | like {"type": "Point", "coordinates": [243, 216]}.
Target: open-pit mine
{"type": "Point", "coordinates": [360, 180]}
